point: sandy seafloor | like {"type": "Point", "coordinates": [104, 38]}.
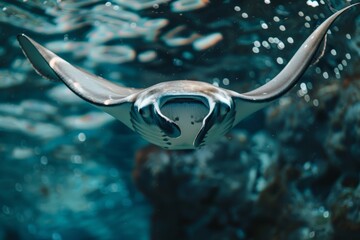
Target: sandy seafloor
{"type": "Point", "coordinates": [290, 171]}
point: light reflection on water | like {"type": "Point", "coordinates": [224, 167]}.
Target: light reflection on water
{"type": "Point", "coordinates": [62, 162]}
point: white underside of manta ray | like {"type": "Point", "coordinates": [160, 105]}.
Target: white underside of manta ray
{"type": "Point", "coordinates": [178, 114]}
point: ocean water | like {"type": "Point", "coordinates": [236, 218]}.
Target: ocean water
{"type": "Point", "coordinates": [290, 171]}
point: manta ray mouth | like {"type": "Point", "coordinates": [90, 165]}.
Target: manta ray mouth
{"type": "Point", "coordinates": [184, 109]}
{"type": "Point", "coordinates": [187, 112]}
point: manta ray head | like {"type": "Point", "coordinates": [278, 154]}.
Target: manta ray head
{"type": "Point", "coordinates": [182, 120]}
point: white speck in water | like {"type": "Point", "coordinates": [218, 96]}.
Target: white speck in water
{"type": "Point", "coordinates": [108, 4]}
{"type": "Point", "coordinates": [82, 137]}
{"type": "Point", "coordinates": [340, 66]}
{"type": "Point", "coordinates": [325, 75]}
{"type": "Point", "coordinates": [282, 28]}
{"type": "Point", "coordinates": [226, 81]}
{"type": "Point", "coordinates": [326, 214]}
{"type": "Point", "coordinates": [255, 49]}
{"type": "Point", "coordinates": [333, 52]}
{"type": "Point", "coordinates": [280, 60]}
{"type": "Point", "coordinates": [257, 44]}
{"type": "Point", "coordinates": [301, 14]}
{"type": "Point", "coordinates": [307, 98]}
{"type": "Point", "coordinates": [303, 86]}
{"type": "Point", "coordinates": [316, 102]}
{"type": "Point", "coordinates": [266, 44]}
{"type": "Point", "coordinates": [267, 1]}
{"type": "Point", "coordinates": [308, 18]}
{"type": "Point", "coordinates": [307, 25]}
{"type": "Point", "coordinates": [348, 36]}
{"type": "Point", "coordinates": [312, 3]}
{"type": "Point", "coordinates": [344, 62]}
{"type": "Point", "coordinates": [276, 19]}
{"type": "Point", "coordinates": [281, 45]}
{"type": "Point", "coordinates": [237, 8]}
{"type": "Point", "coordinates": [216, 82]}
{"type": "Point", "coordinates": [317, 70]}
{"type": "Point", "coordinates": [244, 15]}
{"type": "Point", "coordinates": [348, 56]}
{"type": "Point", "coordinates": [156, 6]}
{"type": "Point", "coordinates": [290, 40]}
{"type": "Point", "coordinates": [264, 25]}
{"type": "Point", "coordinates": [44, 160]}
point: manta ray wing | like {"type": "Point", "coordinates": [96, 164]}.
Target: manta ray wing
{"type": "Point", "coordinates": [249, 102]}
{"type": "Point", "coordinates": [109, 97]}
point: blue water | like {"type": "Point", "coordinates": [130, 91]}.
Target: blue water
{"type": "Point", "coordinates": [67, 170]}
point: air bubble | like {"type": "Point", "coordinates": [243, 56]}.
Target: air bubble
{"type": "Point", "coordinates": [82, 137]}
{"type": "Point", "coordinates": [325, 75]}
{"type": "Point", "coordinates": [281, 45]}
{"type": "Point", "coordinates": [257, 44]}
{"type": "Point", "coordinates": [266, 44]}
{"type": "Point", "coordinates": [316, 102]}
{"type": "Point", "coordinates": [290, 40]}
{"type": "Point", "coordinates": [237, 8]}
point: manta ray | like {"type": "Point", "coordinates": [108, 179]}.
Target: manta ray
{"type": "Point", "coordinates": [179, 114]}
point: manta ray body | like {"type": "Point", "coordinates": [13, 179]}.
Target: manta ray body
{"type": "Point", "coordinates": [180, 114]}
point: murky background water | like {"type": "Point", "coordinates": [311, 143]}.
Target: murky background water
{"type": "Point", "coordinates": [68, 171]}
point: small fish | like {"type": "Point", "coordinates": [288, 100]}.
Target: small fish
{"type": "Point", "coordinates": [180, 114]}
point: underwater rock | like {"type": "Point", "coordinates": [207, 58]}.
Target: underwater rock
{"type": "Point", "coordinates": [344, 201]}
{"type": "Point", "coordinates": [208, 193]}
{"type": "Point", "coordinates": [343, 140]}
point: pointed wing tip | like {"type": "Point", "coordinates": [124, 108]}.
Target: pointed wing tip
{"type": "Point", "coordinates": [23, 39]}
{"type": "Point", "coordinates": [38, 56]}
